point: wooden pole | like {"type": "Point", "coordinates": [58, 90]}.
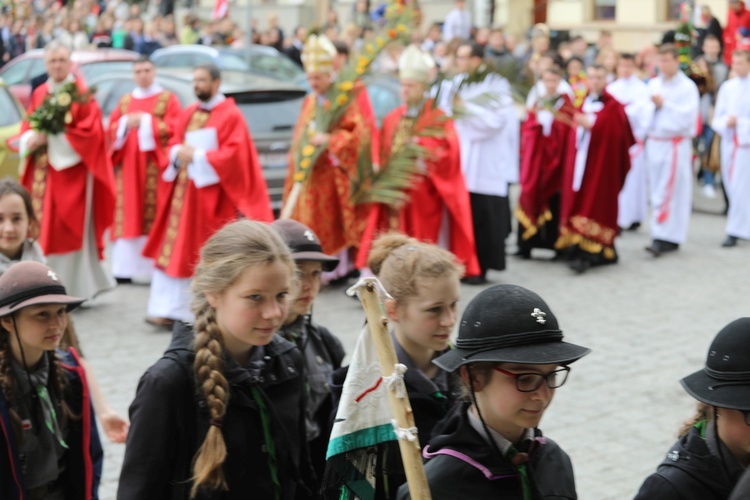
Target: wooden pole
{"type": "Point", "coordinates": [291, 202]}
{"type": "Point", "coordinates": [411, 453]}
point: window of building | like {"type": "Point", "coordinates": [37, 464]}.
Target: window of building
{"type": "Point", "coordinates": [673, 14]}
{"type": "Point", "coordinates": [605, 9]}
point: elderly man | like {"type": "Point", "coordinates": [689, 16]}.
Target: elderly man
{"type": "Point", "coordinates": [438, 210]}
{"type": "Point", "coordinates": [732, 122]}
{"type": "Point", "coordinates": [139, 129]}
{"type": "Point", "coordinates": [214, 176]}
{"type": "Point", "coordinates": [70, 179]}
{"type": "Point", "coordinates": [669, 151]}
{"type": "Point", "coordinates": [324, 203]}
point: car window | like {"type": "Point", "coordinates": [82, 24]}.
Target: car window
{"type": "Point", "coordinates": [95, 69]}
{"type": "Point", "coordinates": [37, 67]}
{"type": "Point", "coordinates": [10, 114]}
{"type": "Point", "coordinates": [202, 59]}
{"type": "Point", "coordinates": [269, 115]}
{"type": "Point", "coordinates": [175, 61]}
{"type": "Point", "coordinates": [384, 99]}
{"type": "Point", "coordinates": [16, 73]}
{"type": "Point", "coordinates": [274, 66]}
{"type": "Point", "coordinates": [103, 90]}
{"type": "Point", "coordinates": [232, 62]}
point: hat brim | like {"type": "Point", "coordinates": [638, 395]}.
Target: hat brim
{"type": "Point", "coordinates": [704, 388]}
{"type": "Point", "coordinates": [329, 263]}
{"type": "Point", "coordinates": [71, 302]}
{"type": "Point", "coordinates": [548, 353]}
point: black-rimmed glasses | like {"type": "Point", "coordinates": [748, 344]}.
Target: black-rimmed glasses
{"type": "Point", "coordinates": [530, 382]}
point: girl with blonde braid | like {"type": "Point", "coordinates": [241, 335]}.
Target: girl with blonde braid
{"type": "Point", "coordinates": [221, 415]}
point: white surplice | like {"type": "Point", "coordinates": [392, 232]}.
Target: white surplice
{"type": "Point", "coordinates": [669, 153]}
{"type": "Point", "coordinates": [591, 107]}
{"type": "Point", "coordinates": [734, 100]}
{"type": "Point", "coordinates": [633, 200]}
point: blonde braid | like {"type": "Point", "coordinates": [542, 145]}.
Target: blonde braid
{"type": "Point", "coordinates": [8, 383]}
{"type": "Point", "coordinates": [58, 383]}
{"type": "Point", "coordinates": [207, 467]}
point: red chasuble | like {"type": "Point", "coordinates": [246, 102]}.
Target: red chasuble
{"type": "Point", "coordinates": [588, 217]}
{"type": "Point", "coordinates": [439, 193]}
{"type": "Point", "coordinates": [542, 164]}
{"type": "Point", "coordinates": [187, 215]}
{"type": "Point", "coordinates": [325, 203]}
{"type": "Point", "coordinates": [137, 173]}
{"type": "Point", "coordinates": [59, 196]}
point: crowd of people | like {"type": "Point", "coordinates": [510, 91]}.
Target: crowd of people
{"type": "Point", "coordinates": [247, 394]}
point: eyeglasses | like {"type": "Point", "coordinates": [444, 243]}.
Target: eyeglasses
{"type": "Point", "coordinates": [530, 382]}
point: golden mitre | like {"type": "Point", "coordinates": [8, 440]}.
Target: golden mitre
{"type": "Point", "coordinates": [318, 54]}
{"type": "Point", "coordinates": [415, 64]}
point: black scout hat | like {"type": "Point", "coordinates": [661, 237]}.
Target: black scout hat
{"type": "Point", "coordinates": [30, 283]}
{"type": "Point", "coordinates": [509, 324]}
{"type": "Point", "coordinates": [303, 243]}
{"type": "Point", "coordinates": [725, 380]}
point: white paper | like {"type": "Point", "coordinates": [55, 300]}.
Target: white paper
{"type": "Point", "coordinates": [205, 139]}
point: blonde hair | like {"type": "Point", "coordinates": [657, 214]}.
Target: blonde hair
{"type": "Point", "coordinates": [702, 412]}
{"type": "Point", "coordinates": [224, 257]}
{"type": "Point", "coordinates": [400, 262]}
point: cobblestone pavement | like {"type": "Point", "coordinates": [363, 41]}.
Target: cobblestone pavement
{"type": "Point", "coordinates": [649, 322]}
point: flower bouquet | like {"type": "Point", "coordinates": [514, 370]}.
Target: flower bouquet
{"type": "Point", "coordinates": [52, 116]}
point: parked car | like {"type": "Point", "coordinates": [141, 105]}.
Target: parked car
{"type": "Point", "coordinates": [10, 127]}
{"type": "Point", "coordinates": [384, 92]}
{"type": "Point", "coordinates": [88, 64]}
{"type": "Point", "coordinates": [270, 108]}
{"type": "Point", "coordinates": [264, 61]}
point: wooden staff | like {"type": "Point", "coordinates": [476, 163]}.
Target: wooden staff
{"type": "Point", "coordinates": [411, 453]}
{"type": "Point", "coordinates": [291, 202]}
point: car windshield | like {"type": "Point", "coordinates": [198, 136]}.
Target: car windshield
{"type": "Point", "coordinates": [10, 113]}
{"type": "Point", "coordinates": [267, 113]}
{"type": "Point", "coordinates": [232, 62]}
{"type": "Point", "coordinates": [92, 70]}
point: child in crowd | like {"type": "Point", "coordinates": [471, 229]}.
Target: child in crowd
{"type": "Point", "coordinates": [713, 450]}
{"type": "Point", "coordinates": [222, 414]}
{"type": "Point", "coordinates": [321, 350]}
{"type": "Point", "coordinates": [50, 444]}
{"type": "Point", "coordinates": [19, 228]}
{"type": "Point", "coordinates": [424, 283]}
{"type": "Point", "coordinates": [511, 357]}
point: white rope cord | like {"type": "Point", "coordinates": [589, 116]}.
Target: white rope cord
{"type": "Point", "coordinates": [395, 382]}
{"type": "Point", "coordinates": [409, 434]}
{"type": "Point", "coordinates": [363, 282]}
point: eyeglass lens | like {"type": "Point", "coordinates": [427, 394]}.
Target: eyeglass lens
{"type": "Point", "coordinates": [529, 382]}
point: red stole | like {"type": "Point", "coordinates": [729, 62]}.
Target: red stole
{"type": "Point", "coordinates": [188, 216]}
{"type": "Point", "coordinates": [59, 197]}
{"type": "Point", "coordinates": [138, 174]}
{"type": "Point", "coordinates": [588, 217]}
{"type": "Point", "coordinates": [442, 190]}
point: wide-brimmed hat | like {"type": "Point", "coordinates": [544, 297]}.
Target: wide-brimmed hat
{"type": "Point", "coordinates": [31, 283]}
{"type": "Point", "coordinates": [509, 324]}
{"type": "Point", "coordinates": [303, 243]}
{"type": "Point", "coordinates": [725, 380]}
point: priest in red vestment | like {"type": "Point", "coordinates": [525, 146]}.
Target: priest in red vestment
{"type": "Point", "coordinates": [544, 139]}
{"type": "Point", "coordinates": [69, 176]}
{"type": "Point", "coordinates": [596, 164]}
{"type": "Point", "coordinates": [439, 209]}
{"type": "Point", "coordinates": [324, 204]}
{"type": "Point", "coordinates": [139, 130]}
{"type": "Point", "coordinates": [214, 177]}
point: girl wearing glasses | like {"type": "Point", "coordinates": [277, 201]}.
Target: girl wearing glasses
{"type": "Point", "coordinates": [713, 450]}
{"type": "Point", "coordinates": [511, 357]}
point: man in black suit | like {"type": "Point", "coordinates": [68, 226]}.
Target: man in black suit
{"type": "Point", "coordinates": [298, 41]}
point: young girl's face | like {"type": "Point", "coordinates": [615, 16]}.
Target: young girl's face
{"type": "Point", "coordinates": [425, 320]}
{"type": "Point", "coordinates": [309, 273]}
{"type": "Point", "coordinates": [40, 329]}
{"type": "Point", "coordinates": [14, 225]}
{"type": "Point", "coordinates": [508, 410]}
{"type": "Point", "coordinates": [735, 433]}
{"type": "Point", "coordinates": [253, 308]}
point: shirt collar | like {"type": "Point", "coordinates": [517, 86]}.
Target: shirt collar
{"type": "Point", "coordinates": [502, 443]}
{"type": "Point", "coordinates": [151, 90]}
{"type": "Point", "coordinates": [56, 87]}
{"type": "Point", "coordinates": [212, 103]}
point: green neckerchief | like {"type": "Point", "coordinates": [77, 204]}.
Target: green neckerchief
{"type": "Point", "coordinates": [265, 419]}
{"type": "Point", "coordinates": [702, 426]}
{"type": "Point", "coordinates": [522, 470]}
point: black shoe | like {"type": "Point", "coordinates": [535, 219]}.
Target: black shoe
{"type": "Point", "coordinates": [634, 226]}
{"type": "Point", "coordinates": [655, 248]}
{"type": "Point", "coordinates": [731, 241]}
{"type": "Point", "coordinates": [668, 246]}
{"type": "Point", "coordinates": [580, 265]}
{"type": "Point", "coordinates": [524, 253]}
{"type": "Point", "coordinates": [475, 280]}
{"type": "Point", "coordinates": [124, 281]}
